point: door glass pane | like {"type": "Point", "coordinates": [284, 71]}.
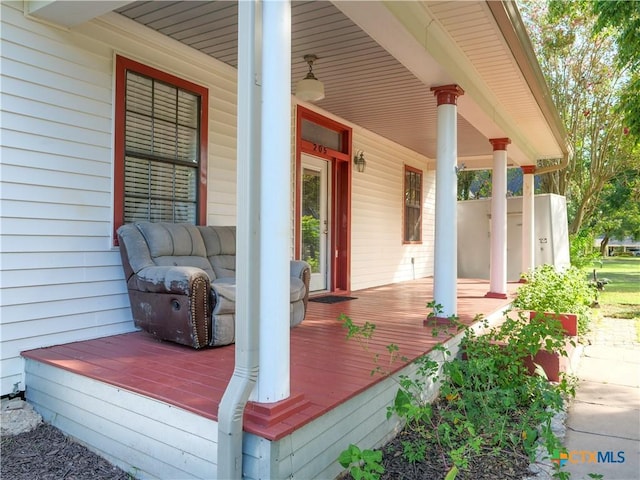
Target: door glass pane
{"type": "Point", "coordinates": [413, 206]}
{"type": "Point", "coordinates": [311, 219]}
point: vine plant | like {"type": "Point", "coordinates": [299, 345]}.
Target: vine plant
{"type": "Point", "coordinates": [488, 400]}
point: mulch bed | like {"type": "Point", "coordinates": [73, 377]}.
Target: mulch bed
{"type": "Point", "coordinates": [488, 464]}
{"type": "Point", "coordinates": [503, 465]}
{"type": "Point", "coordinates": [45, 453]}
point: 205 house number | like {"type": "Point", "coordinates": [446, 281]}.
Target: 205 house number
{"type": "Point", "coordinates": [319, 148]}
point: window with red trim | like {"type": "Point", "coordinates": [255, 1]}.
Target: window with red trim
{"type": "Point", "coordinates": [412, 205]}
{"type": "Point", "coordinates": [160, 147]}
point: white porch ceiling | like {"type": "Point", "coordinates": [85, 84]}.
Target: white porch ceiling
{"type": "Point", "coordinates": [389, 93]}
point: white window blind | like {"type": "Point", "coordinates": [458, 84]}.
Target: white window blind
{"type": "Point", "coordinates": [162, 134]}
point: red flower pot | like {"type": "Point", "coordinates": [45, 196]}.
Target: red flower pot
{"type": "Point", "coordinates": [569, 321]}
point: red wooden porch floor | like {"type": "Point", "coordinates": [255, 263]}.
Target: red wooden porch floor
{"type": "Point", "coordinates": [326, 369]}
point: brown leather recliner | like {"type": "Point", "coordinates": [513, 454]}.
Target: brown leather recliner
{"type": "Point", "coordinates": [181, 281]}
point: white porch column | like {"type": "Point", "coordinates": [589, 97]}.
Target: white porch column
{"type": "Point", "coordinates": [498, 265]}
{"type": "Point", "coordinates": [273, 382]}
{"type": "Point", "coordinates": [528, 215]}
{"type": "Point", "coordinates": [445, 274]}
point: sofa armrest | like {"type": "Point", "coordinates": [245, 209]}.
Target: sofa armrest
{"type": "Point", "coordinates": [301, 269]}
{"type": "Point", "coordinates": [169, 279]}
{"type": "Point", "coordinates": [172, 303]}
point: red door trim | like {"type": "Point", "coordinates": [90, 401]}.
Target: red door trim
{"type": "Point", "coordinates": [340, 242]}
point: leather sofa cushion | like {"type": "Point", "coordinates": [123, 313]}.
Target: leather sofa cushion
{"type": "Point", "coordinates": [176, 244]}
{"type": "Point", "coordinates": [224, 266]}
{"type": "Point", "coordinates": [173, 239]}
{"type": "Point", "coordinates": [297, 290]}
{"type": "Point", "coordinates": [189, 261]}
{"type": "Point", "coordinates": [227, 288]}
{"type": "Point", "coordinates": [223, 292]}
{"type": "Point", "coordinates": [220, 244]}
{"type": "Point", "coordinates": [218, 240]}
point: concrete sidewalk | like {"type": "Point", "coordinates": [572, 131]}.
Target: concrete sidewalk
{"type": "Point", "coordinates": [603, 424]}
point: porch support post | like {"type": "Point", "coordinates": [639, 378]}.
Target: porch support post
{"type": "Point", "coordinates": [498, 265]}
{"type": "Point", "coordinates": [275, 203]}
{"type": "Point", "coordinates": [528, 215]}
{"type": "Point", "coordinates": [446, 229]}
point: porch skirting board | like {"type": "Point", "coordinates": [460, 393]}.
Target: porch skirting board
{"type": "Point", "coordinates": [152, 439]}
{"type": "Point", "coordinates": [145, 437]}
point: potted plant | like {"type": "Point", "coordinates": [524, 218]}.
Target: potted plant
{"type": "Point", "coordinates": [564, 295]}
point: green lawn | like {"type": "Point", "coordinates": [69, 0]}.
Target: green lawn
{"type": "Point", "coordinates": [621, 296]}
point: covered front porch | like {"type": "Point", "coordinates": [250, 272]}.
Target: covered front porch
{"type": "Point", "coordinates": [152, 407]}
{"type": "Point", "coordinates": [393, 72]}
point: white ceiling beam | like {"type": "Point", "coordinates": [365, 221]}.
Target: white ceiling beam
{"type": "Point", "coordinates": [68, 13]}
{"type": "Point", "coordinates": [380, 24]}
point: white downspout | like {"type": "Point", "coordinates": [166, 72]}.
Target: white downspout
{"type": "Point", "coordinates": [234, 400]}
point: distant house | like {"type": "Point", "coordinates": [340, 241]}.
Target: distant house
{"type": "Point", "coordinates": [616, 246]}
{"type": "Point", "coordinates": [118, 111]}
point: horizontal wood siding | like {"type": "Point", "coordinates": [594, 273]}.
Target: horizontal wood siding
{"type": "Point", "coordinates": [428, 220]}
{"type": "Point", "coordinates": [61, 278]}
{"type": "Point", "coordinates": [145, 437]}
{"type": "Point", "coordinates": [378, 255]}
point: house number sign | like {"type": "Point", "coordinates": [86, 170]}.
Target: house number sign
{"type": "Point", "coordinates": [319, 148]}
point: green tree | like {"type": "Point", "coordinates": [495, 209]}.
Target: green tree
{"type": "Point", "coordinates": [587, 83]}
{"type": "Point", "coordinates": [465, 180]}
{"type": "Point", "coordinates": [619, 216]}
{"type": "Point", "coordinates": [622, 19]}
{"type": "Point", "coordinates": [514, 182]}
{"type": "Point", "coordinates": [477, 183]}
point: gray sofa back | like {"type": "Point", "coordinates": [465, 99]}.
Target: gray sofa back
{"type": "Point", "coordinates": [211, 248]}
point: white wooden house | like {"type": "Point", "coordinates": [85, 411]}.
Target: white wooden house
{"type": "Point", "coordinates": [419, 88]}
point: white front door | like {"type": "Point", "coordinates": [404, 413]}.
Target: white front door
{"type": "Point", "coordinates": [315, 221]}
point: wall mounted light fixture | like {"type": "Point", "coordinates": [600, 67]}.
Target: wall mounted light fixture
{"type": "Point", "coordinates": [359, 161]}
{"type": "Point", "coordinates": [310, 89]}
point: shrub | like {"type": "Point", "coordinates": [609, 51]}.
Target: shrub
{"type": "Point", "coordinates": [553, 291]}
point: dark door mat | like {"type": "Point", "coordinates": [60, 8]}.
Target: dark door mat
{"type": "Point", "coordinates": [332, 299]}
